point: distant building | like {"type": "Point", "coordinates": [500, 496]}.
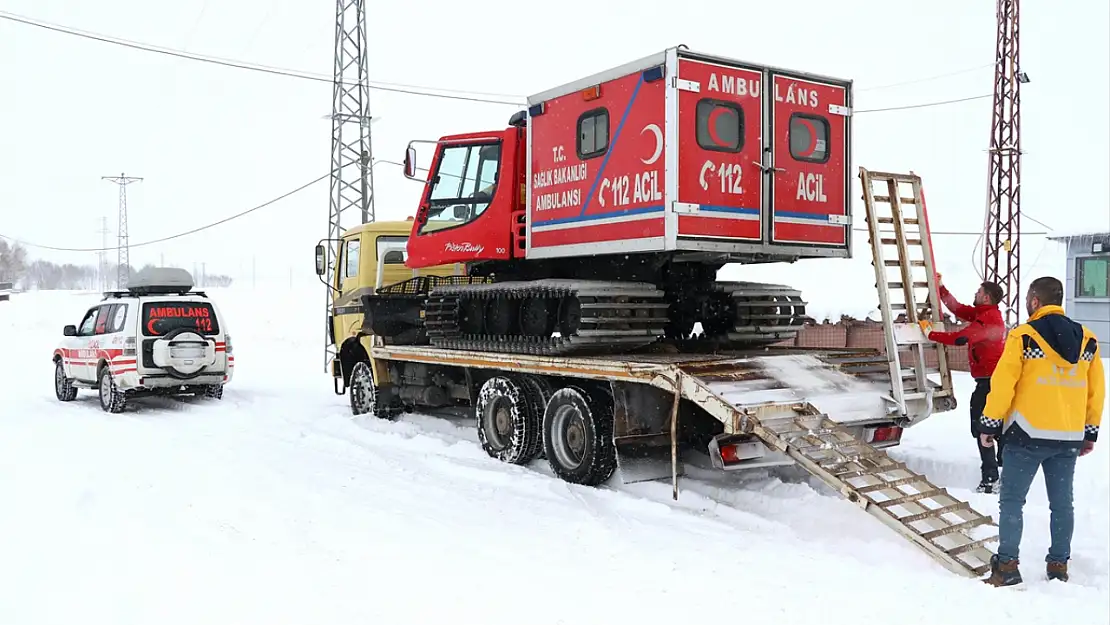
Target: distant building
{"type": "Point", "coordinates": [1087, 290]}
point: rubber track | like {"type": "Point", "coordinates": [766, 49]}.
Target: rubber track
{"type": "Point", "coordinates": [615, 316]}
{"type": "Point", "coordinates": [765, 313]}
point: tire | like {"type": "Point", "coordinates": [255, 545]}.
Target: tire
{"type": "Point", "coordinates": [64, 389]}
{"type": "Point", "coordinates": [111, 398]}
{"type": "Point", "coordinates": [539, 392]}
{"type": "Point", "coordinates": [578, 436]}
{"type": "Point", "coordinates": [214, 391]}
{"type": "Point", "coordinates": [509, 427]}
{"type": "Point", "coordinates": [363, 393]}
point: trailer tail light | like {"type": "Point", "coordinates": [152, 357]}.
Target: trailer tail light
{"type": "Point", "coordinates": [727, 453]}
{"type": "Point", "coordinates": [885, 434]}
{"type": "Point", "coordinates": [592, 93]}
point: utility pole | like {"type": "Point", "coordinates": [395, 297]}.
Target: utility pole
{"type": "Point", "coordinates": [1001, 250]}
{"type": "Point", "coordinates": [123, 260]}
{"type": "Point", "coordinates": [102, 257]}
{"type": "Point", "coordinates": [352, 178]}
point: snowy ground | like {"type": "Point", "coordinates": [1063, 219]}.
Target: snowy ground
{"type": "Point", "coordinates": [273, 506]}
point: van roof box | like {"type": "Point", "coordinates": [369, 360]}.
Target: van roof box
{"type": "Point", "coordinates": [160, 281]}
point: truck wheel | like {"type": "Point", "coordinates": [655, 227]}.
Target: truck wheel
{"type": "Point", "coordinates": [111, 398]}
{"type": "Point", "coordinates": [578, 437]}
{"type": "Point", "coordinates": [63, 386]}
{"type": "Point", "coordinates": [214, 391]}
{"type": "Point", "coordinates": [509, 428]}
{"type": "Point", "coordinates": [363, 392]}
{"type": "Point", "coordinates": [539, 392]}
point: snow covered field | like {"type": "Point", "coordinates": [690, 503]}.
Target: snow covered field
{"type": "Point", "coordinates": [274, 506]}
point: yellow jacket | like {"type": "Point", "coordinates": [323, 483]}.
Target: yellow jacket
{"type": "Point", "coordinates": [1049, 385]}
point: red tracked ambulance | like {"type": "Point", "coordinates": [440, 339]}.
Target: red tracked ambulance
{"type": "Point", "coordinates": [599, 219]}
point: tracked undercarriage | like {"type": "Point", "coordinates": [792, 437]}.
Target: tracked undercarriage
{"type": "Point", "coordinates": [560, 317]}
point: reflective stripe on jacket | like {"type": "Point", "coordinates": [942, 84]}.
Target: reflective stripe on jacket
{"type": "Point", "coordinates": [1049, 385]}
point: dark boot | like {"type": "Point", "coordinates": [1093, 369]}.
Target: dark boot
{"type": "Point", "coordinates": [988, 485]}
{"type": "Point", "coordinates": [1003, 573]}
{"type": "Point", "coordinates": [1057, 571]}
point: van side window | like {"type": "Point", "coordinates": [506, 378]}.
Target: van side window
{"type": "Point", "coordinates": [119, 315]}
{"type": "Point", "coordinates": [102, 319]}
{"type": "Point", "coordinates": [87, 324]}
{"type": "Point", "coordinates": [350, 260]}
{"type": "Point", "coordinates": [809, 138]}
{"type": "Point", "coordinates": [720, 125]}
{"type": "Point", "coordinates": [593, 133]}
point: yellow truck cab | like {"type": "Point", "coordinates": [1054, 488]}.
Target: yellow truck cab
{"type": "Point", "coordinates": [369, 256]}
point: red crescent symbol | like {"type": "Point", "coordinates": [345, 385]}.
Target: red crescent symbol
{"type": "Point", "coordinates": [150, 326]}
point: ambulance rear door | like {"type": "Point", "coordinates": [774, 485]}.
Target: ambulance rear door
{"type": "Point", "coordinates": [720, 138]}
{"type": "Point", "coordinates": [810, 192]}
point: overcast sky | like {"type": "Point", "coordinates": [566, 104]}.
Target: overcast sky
{"type": "Point", "coordinates": [210, 141]}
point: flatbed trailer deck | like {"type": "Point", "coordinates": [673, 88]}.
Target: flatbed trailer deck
{"type": "Point", "coordinates": [779, 399]}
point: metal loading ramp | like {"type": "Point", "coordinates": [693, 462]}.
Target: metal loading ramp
{"type": "Point", "coordinates": [945, 527]}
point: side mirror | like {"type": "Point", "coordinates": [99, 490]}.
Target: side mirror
{"type": "Point", "coordinates": [320, 260]}
{"type": "Point", "coordinates": [70, 330]}
{"type": "Point", "coordinates": [410, 163]}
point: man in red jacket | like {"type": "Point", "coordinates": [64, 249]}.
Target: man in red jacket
{"type": "Point", "coordinates": [985, 337]}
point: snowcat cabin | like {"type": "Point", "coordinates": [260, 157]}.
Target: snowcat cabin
{"type": "Point", "coordinates": [471, 194]}
{"type": "Point", "coordinates": [685, 152]}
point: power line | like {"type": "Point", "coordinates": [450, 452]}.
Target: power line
{"type": "Point", "coordinates": [174, 236]}
{"type": "Point", "coordinates": [927, 78]}
{"type": "Point", "coordinates": [417, 90]}
{"type": "Point", "coordinates": [923, 105]}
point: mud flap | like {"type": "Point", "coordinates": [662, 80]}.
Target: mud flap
{"type": "Point", "coordinates": [644, 458]}
{"type": "Point", "coordinates": [642, 432]}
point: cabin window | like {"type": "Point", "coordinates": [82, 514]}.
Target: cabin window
{"type": "Point", "coordinates": [1092, 276]}
{"type": "Point", "coordinates": [392, 257]}
{"type": "Point", "coordinates": [720, 125]}
{"type": "Point", "coordinates": [463, 186]}
{"type": "Point", "coordinates": [593, 133]}
{"type": "Point", "coordinates": [350, 260]}
{"type": "Point", "coordinates": [809, 138]}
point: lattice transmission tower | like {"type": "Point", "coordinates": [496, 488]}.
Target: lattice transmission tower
{"type": "Point", "coordinates": [1001, 251]}
{"type": "Point", "coordinates": [352, 178]}
{"type": "Point", "coordinates": [123, 260]}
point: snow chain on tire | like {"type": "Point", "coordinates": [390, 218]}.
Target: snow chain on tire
{"type": "Point", "coordinates": [63, 386]}
{"type": "Point", "coordinates": [111, 398]}
{"type": "Point", "coordinates": [509, 427]}
{"type": "Point", "coordinates": [363, 393]}
{"type": "Point", "coordinates": [575, 418]}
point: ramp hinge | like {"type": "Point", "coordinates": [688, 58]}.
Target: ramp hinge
{"type": "Point", "coordinates": [843, 111]}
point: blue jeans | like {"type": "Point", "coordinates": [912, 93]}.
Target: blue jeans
{"type": "Point", "coordinates": [1022, 462]}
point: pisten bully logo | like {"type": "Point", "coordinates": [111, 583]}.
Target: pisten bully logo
{"type": "Point", "coordinates": [463, 248]}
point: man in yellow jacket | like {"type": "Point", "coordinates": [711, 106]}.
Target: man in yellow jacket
{"type": "Point", "coordinates": [1046, 400]}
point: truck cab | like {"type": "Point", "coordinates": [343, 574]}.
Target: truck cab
{"type": "Point", "coordinates": [368, 256]}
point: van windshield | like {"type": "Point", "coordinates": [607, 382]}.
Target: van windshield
{"type": "Point", "coordinates": [161, 318]}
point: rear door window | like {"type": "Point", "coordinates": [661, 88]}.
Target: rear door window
{"type": "Point", "coordinates": [161, 318]}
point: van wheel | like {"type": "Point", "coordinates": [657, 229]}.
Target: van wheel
{"type": "Point", "coordinates": [214, 391]}
{"type": "Point", "coordinates": [63, 386]}
{"type": "Point", "coordinates": [578, 437]}
{"type": "Point", "coordinates": [111, 398]}
{"type": "Point", "coordinates": [363, 392]}
{"type": "Point", "coordinates": [509, 427]}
